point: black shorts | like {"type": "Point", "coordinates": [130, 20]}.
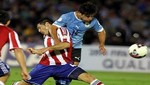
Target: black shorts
{"type": "Point", "coordinates": [76, 54]}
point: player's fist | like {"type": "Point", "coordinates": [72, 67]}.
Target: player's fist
{"type": "Point", "coordinates": [102, 50]}
{"type": "Point", "coordinates": [31, 50]}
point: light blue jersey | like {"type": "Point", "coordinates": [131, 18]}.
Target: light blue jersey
{"type": "Point", "coordinates": [76, 27]}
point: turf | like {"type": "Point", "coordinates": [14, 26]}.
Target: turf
{"type": "Point", "coordinates": [109, 78]}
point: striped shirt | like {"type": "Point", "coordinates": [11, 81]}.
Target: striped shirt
{"type": "Point", "coordinates": [57, 57]}
{"type": "Point", "coordinates": [7, 35]}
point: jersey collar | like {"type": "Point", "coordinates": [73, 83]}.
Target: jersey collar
{"type": "Point", "coordinates": [77, 17]}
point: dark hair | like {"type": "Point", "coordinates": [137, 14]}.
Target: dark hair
{"type": "Point", "coordinates": [4, 16]}
{"type": "Point", "coordinates": [44, 20]}
{"type": "Point", "coordinates": [88, 9]}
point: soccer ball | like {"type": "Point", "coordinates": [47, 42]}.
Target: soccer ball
{"type": "Point", "coordinates": [138, 50]}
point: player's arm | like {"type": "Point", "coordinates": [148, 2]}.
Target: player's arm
{"type": "Point", "coordinates": [61, 22]}
{"type": "Point", "coordinates": [102, 37]}
{"type": "Point", "coordinates": [20, 57]}
{"type": "Point", "coordinates": [54, 34]}
{"type": "Point", "coordinates": [21, 60]}
{"type": "Point", "coordinates": [59, 46]}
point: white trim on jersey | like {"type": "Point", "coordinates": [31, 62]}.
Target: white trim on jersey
{"type": "Point", "coordinates": [14, 40]}
{"type": "Point", "coordinates": [101, 30]}
{"type": "Point", "coordinates": [76, 16]}
{"type": "Point", "coordinates": [56, 25]}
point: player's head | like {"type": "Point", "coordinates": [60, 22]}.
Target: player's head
{"type": "Point", "coordinates": [88, 10]}
{"type": "Point", "coordinates": [4, 17]}
{"type": "Point", "coordinates": [44, 25]}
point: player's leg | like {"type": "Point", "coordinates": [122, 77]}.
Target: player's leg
{"type": "Point", "coordinates": [4, 78]}
{"type": "Point", "coordinates": [4, 72]}
{"type": "Point", "coordinates": [76, 55]}
{"type": "Point", "coordinates": [80, 74]}
{"type": "Point", "coordinates": [88, 78]}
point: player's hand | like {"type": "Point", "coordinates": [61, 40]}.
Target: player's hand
{"type": "Point", "coordinates": [36, 51]}
{"type": "Point", "coordinates": [102, 50]}
{"type": "Point", "coordinates": [31, 50]}
{"type": "Point", "coordinates": [25, 75]}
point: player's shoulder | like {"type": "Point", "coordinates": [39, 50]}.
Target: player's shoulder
{"type": "Point", "coordinates": [6, 28]}
{"type": "Point", "coordinates": [68, 14]}
{"type": "Point", "coordinates": [95, 21]}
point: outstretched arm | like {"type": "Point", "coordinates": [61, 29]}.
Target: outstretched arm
{"type": "Point", "coordinates": [59, 46]}
{"type": "Point", "coordinates": [102, 36]}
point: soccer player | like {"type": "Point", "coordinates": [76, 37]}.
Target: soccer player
{"type": "Point", "coordinates": [56, 59]}
{"type": "Point", "coordinates": [7, 35]}
{"type": "Point", "coordinates": [78, 23]}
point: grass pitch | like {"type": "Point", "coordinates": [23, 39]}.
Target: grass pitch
{"type": "Point", "coordinates": [108, 78]}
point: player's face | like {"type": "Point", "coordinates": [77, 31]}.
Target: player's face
{"type": "Point", "coordinates": [86, 18]}
{"type": "Point", "coordinates": [42, 29]}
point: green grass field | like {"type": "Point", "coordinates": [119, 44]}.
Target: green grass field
{"type": "Point", "coordinates": [109, 78]}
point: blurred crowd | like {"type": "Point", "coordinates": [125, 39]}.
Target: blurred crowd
{"type": "Point", "coordinates": [125, 21]}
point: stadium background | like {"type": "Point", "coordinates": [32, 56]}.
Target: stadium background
{"type": "Point", "coordinates": [125, 21]}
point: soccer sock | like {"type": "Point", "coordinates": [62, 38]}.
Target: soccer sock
{"type": "Point", "coordinates": [16, 83]}
{"type": "Point", "coordinates": [1, 83]}
{"type": "Point", "coordinates": [96, 82]}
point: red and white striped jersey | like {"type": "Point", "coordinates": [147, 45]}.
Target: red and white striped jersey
{"type": "Point", "coordinates": [7, 35]}
{"type": "Point", "coordinates": [59, 57]}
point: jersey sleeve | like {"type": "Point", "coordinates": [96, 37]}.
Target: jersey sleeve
{"type": "Point", "coordinates": [64, 35]}
{"type": "Point", "coordinates": [97, 26]}
{"type": "Point", "coordinates": [61, 22]}
{"type": "Point", "coordinates": [14, 41]}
